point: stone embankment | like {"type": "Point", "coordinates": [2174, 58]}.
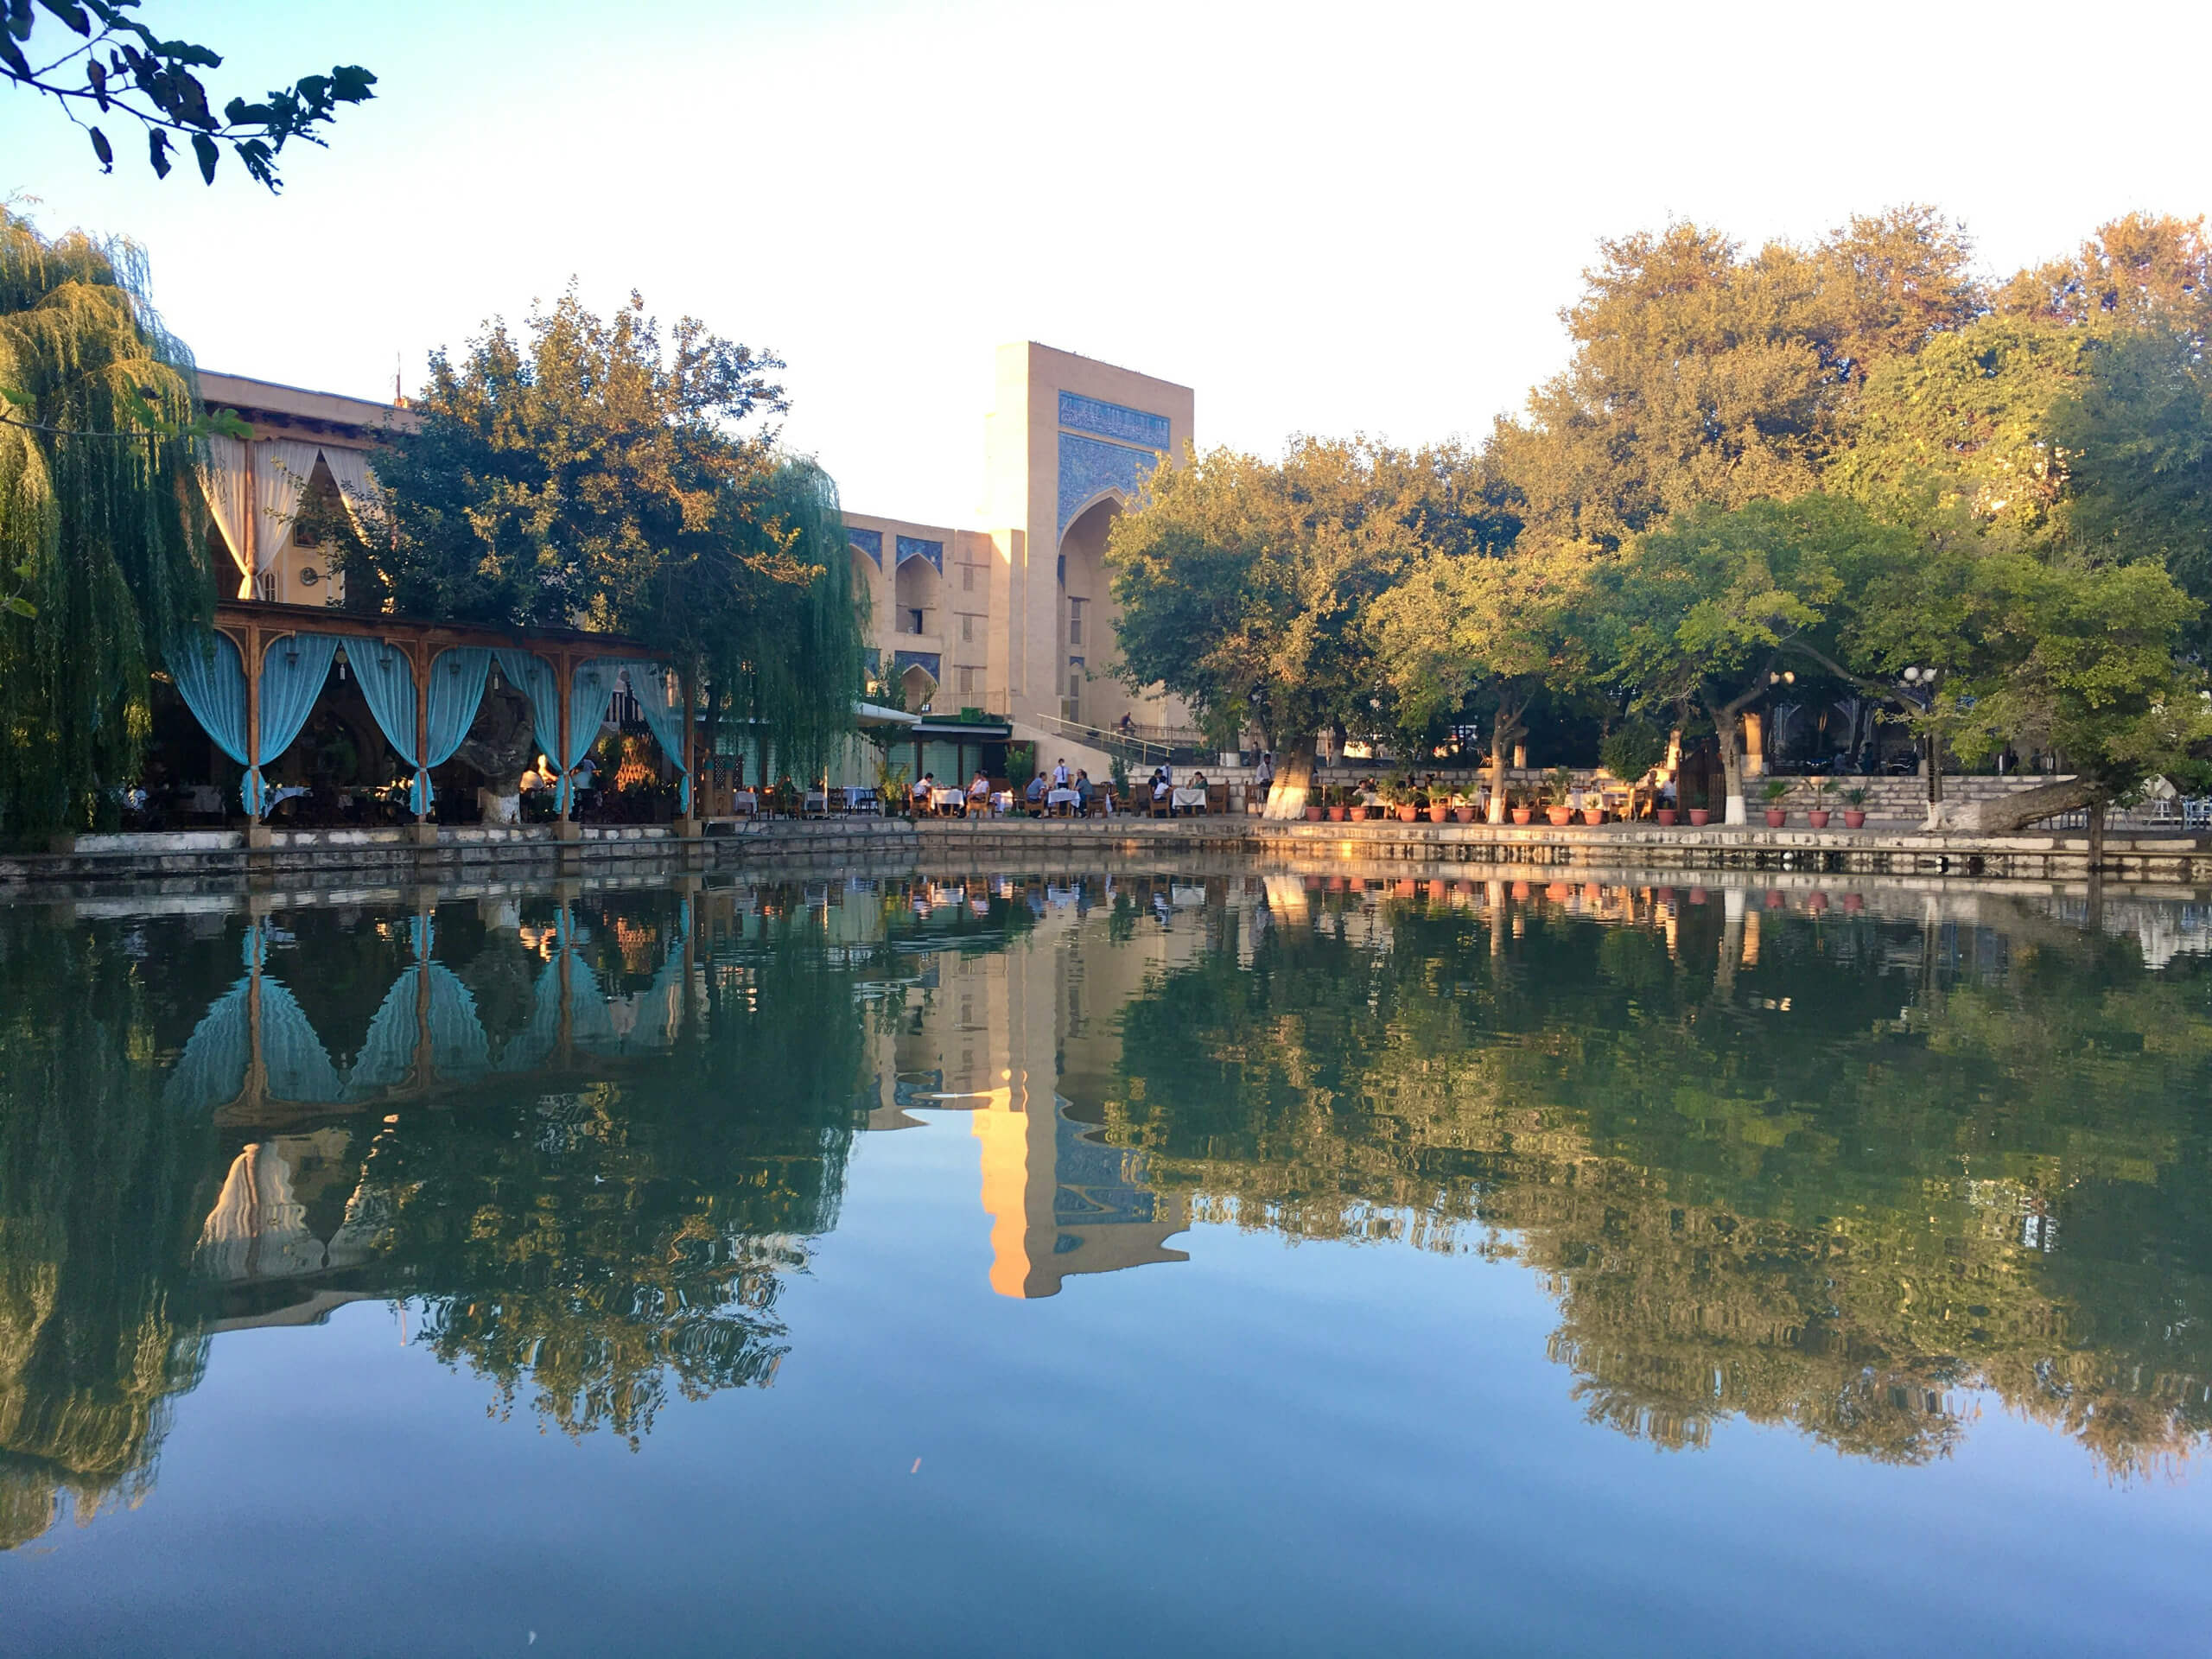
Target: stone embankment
{"type": "Point", "coordinates": [182, 861]}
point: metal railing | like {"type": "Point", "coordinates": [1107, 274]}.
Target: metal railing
{"type": "Point", "coordinates": [1145, 751]}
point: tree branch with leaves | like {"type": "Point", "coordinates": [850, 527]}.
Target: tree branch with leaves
{"type": "Point", "coordinates": [119, 70]}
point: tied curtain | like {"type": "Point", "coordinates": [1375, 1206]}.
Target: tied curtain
{"type": "Point", "coordinates": [280, 479]}
{"type": "Point", "coordinates": [210, 676]}
{"type": "Point", "coordinates": [293, 669]}
{"type": "Point", "coordinates": [387, 678]}
{"type": "Point", "coordinates": [226, 479]}
{"type": "Point", "coordinates": [590, 690]}
{"type": "Point", "coordinates": [659, 692]}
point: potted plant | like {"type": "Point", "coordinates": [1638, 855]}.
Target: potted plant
{"type": "Point", "coordinates": [1519, 809]}
{"type": "Point", "coordinates": [1559, 786]}
{"type": "Point", "coordinates": [1666, 815]}
{"type": "Point", "coordinates": [1699, 805]}
{"type": "Point", "coordinates": [1316, 803]}
{"type": "Point", "coordinates": [1439, 808]}
{"type": "Point", "coordinates": [1333, 801]}
{"type": "Point", "coordinates": [1592, 815]}
{"type": "Point", "coordinates": [1817, 815]}
{"type": "Point", "coordinates": [1463, 810]}
{"type": "Point", "coordinates": [1776, 792]}
{"type": "Point", "coordinates": [1855, 809]}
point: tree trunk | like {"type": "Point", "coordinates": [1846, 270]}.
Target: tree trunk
{"type": "Point", "coordinates": [2007, 813]}
{"type": "Point", "coordinates": [1293, 781]}
{"type": "Point", "coordinates": [2096, 835]}
{"type": "Point", "coordinates": [502, 741]}
{"type": "Point", "coordinates": [1731, 769]}
{"type": "Point", "coordinates": [1500, 734]}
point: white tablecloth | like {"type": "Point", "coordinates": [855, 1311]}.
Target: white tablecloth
{"type": "Point", "coordinates": [744, 800]}
{"type": "Point", "coordinates": [943, 797]}
{"type": "Point", "coordinates": [1062, 798]}
{"type": "Point", "coordinates": [1181, 797]}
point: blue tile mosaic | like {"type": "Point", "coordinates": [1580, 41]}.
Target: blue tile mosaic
{"type": "Point", "coordinates": [869, 541]}
{"type": "Point", "coordinates": [927, 659]}
{"type": "Point", "coordinates": [1113, 420]}
{"type": "Point", "coordinates": [913, 547]}
{"type": "Point", "coordinates": [1089, 468]}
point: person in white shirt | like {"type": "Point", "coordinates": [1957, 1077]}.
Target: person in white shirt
{"type": "Point", "coordinates": [1060, 775]}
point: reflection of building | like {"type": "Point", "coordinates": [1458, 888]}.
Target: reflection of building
{"type": "Point", "coordinates": [1008, 1035]}
{"type": "Point", "coordinates": [1061, 1201]}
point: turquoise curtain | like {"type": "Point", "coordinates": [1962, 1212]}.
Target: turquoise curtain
{"type": "Point", "coordinates": [459, 1048]}
{"type": "Point", "coordinates": [457, 679]}
{"type": "Point", "coordinates": [387, 678]}
{"type": "Point", "coordinates": [210, 676]}
{"type": "Point", "coordinates": [590, 690]}
{"type": "Point", "coordinates": [659, 692]}
{"type": "Point", "coordinates": [388, 1051]}
{"type": "Point", "coordinates": [293, 669]}
{"type": "Point", "coordinates": [533, 677]}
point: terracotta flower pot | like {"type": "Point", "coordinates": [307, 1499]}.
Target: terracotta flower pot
{"type": "Point", "coordinates": [1438, 812]}
{"type": "Point", "coordinates": [1312, 815]}
{"type": "Point", "coordinates": [1464, 814]}
{"type": "Point", "coordinates": [1522, 814]}
{"type": "Point", "coordinates": [1559, 815]}
{"type": "Point", "coordinates": [1593, 815]}
{"type": "Point", "coordinates": [1666, 815]}
{"type": "Point", "coordinates": [1336, 815]}
{"type": "Point", "coordinates": [1853, 818]}
{"type": "Point", "coordinates": [1699, 817]}
{"type": "Point", "coordinates": [1818, 817]}
{"type": "Point", "coordinates": [1776, 817]}
{"type": "Point", "coordinates": [1407, 814]}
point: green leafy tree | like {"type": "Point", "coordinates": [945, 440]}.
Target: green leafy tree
{"type": "Point", "coordinates": [1707, 610]}
{"type": "Point", "coordinates": [119, 70]}
{"type": "Point", "coordinates": [589, 477]}
{"type": "Point", "coordinates": [1702, 375]}
{"type": "Point", "coordinates": [2083, 661]}
{"type": "Point", "coordinates": [1244, 582]}
{"type": "Point", "coordinates": [103, 552]}
{"type": "Point", "coordinates": [1497, 627]}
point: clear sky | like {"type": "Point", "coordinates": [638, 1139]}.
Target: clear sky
{"type": "Point", "coordinates": [1350, 217]}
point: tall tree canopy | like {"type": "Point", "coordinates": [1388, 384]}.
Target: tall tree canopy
{"type": "Point", "coordinates": [1245, 584]}
{"type": "Point", "coordinates": [1701, 375]}
{"type": "Point", "coordinates": [590, 475]}
{"type": "Point", "coordinates": [117, 69]}
{"type": "Point", "coordinates": [102, 555]}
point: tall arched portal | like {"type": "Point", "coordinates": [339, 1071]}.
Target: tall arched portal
{"type": "Point", "coordinates": [1086, 617]}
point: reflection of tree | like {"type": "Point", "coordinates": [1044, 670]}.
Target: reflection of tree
{"type": "Point", "coordinates": [602, 1244]}
{"type": "Point", "coordinates": [596, 1234]}
{"type": "Point", "coordinates": [1759, 1192]}
{"type": "Point", "coordinates": [98, 1214]}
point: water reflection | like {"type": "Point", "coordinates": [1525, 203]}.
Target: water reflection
{"type": "Point", "coordinates": [1854, 1162]}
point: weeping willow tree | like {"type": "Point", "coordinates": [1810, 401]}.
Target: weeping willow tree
{"type": "Point", "coordinates": [103, 561]}
{"type": "Point", "coordinates": [786, 676]}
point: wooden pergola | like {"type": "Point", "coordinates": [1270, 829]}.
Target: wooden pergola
{"type": "Point", "coordinates": [254, 626]}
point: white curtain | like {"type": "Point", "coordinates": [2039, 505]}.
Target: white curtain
{"type": "Point", "coordinates": [226, 479]}
{"type": "Point", "coordinates": [356, 481]}
{"type": "Point", "coordinates": [281, 473]}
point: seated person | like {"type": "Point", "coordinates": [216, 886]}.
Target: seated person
{"type": "Point", "coordinates": [922, 785]}
{"type": "Point", "coordinates": [1035, 794]}
{"type": "Point", "coordinates": [1081, 791]}
{"type": "Point", "coordinates": [979, 789]}
{"type": "Point", "coordinates": [1162, 790]}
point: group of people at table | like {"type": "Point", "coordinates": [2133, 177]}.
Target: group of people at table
{"type": "Point", "coordinates": [1059, 791]}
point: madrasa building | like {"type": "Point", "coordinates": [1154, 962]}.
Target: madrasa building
{"type": "Point", "coordinates": [1017, 617]}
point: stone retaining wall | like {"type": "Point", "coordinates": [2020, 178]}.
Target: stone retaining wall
{"type": "Point", "coordinates": [184, 863]}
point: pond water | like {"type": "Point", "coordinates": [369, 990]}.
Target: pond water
{"type": "Point", "coordinates": [1161, 1262]}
